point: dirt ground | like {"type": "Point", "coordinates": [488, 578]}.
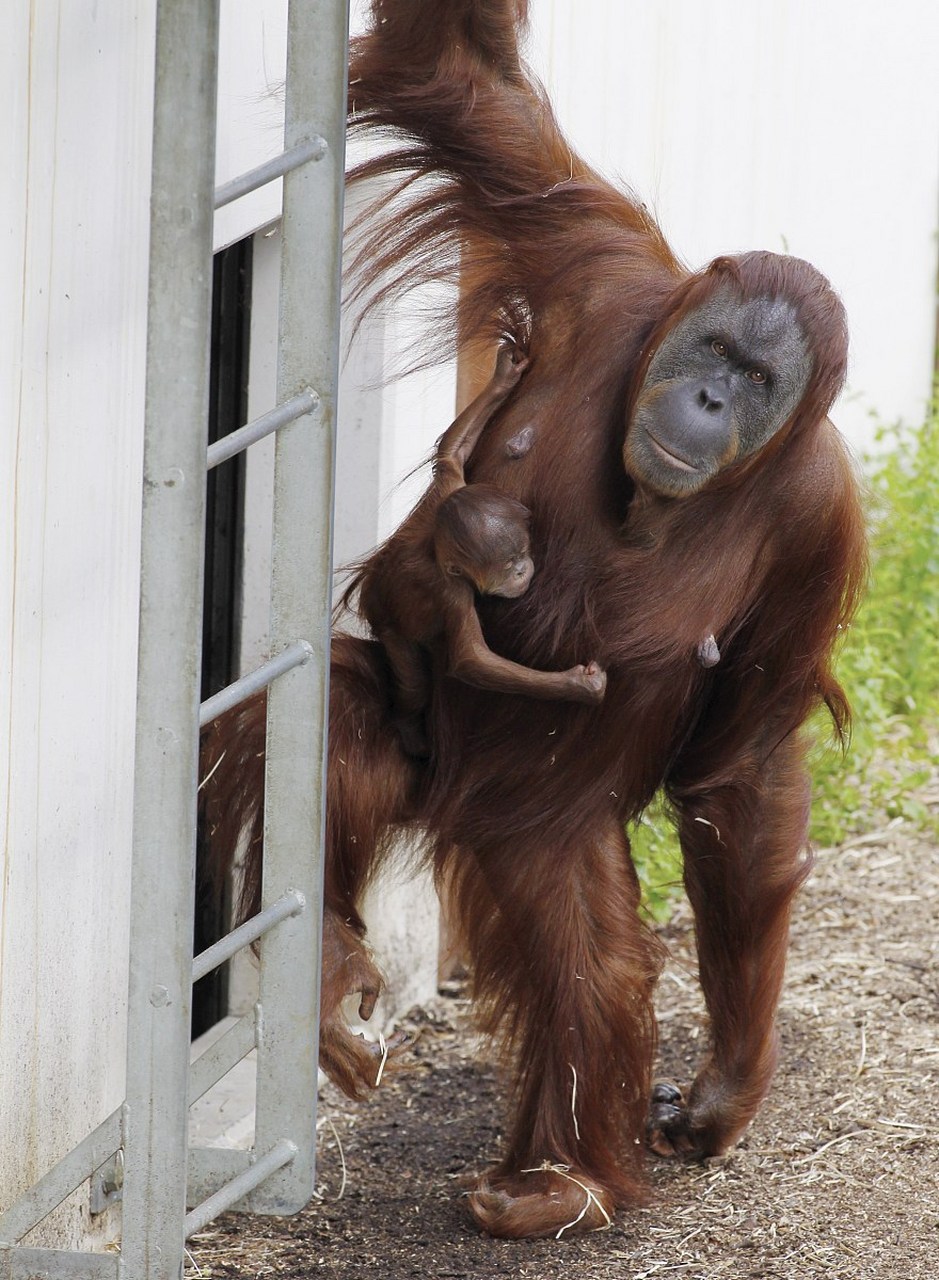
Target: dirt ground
{"type": "Point", "coordinates": [838, 1177]}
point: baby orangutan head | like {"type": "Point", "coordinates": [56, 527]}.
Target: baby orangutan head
{"type": "Point", "coordinates": [482, 535]}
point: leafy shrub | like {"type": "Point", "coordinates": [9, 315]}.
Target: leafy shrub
{"type": "Point", "coordinates": [890, 661]}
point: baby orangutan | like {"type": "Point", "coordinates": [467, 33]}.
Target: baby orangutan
{"type": "Point", "coordinates": [417, 592]}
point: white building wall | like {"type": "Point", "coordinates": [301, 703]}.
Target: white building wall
{"type": "Point", "coordinates": [76, 102]}
{"type": "Point", "coordinates": [252, 68]}
{"type": "Point", "coordinates": [76, 98]}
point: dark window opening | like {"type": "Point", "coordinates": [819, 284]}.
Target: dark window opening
{"type": "Point", "coordinates": [224, 531]}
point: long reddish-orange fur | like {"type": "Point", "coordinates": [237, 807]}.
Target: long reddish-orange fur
{"type": "Point", "coordinates": [524, 804]}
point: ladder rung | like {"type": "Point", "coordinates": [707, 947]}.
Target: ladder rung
{"type": "Point", "coordinates": [313, 149]}
{"type": "Point", "coordinates": [266, 425]}
{"type": "Point", "coordinates": [295, 655]}
{"type": "Point", "coordinates": [238, 1188]}
{"type": "Point", "coordinates": [291, 904]}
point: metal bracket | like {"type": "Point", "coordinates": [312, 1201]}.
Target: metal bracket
{"type": "Point", "coordinates": [107, 1183]}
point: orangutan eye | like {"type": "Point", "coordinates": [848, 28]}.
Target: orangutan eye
{"type": "Point", "coordinates": [757, 375]}
{"type": "Point", "coordinates": [719, 348]}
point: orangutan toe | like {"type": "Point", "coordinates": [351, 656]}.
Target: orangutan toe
{"type": "Point", "coordinates": [668, 1127]}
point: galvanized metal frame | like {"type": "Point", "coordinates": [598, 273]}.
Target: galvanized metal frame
{"type": "Point", "coordinates": [301, 595]}
{"type": "Point", "coordinates": [155, 1136]}
{"type": "Point", "coordinates": [150, 1129]}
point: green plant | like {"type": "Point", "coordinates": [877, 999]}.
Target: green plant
{"type": "Point", "coordinates": [657, 856]}
{"type": "Point", "coordinates": [890, 661]}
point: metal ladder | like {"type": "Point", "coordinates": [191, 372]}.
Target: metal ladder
{"type": "Point", "coordinates": [140, 1153]}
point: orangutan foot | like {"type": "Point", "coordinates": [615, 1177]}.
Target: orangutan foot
{"type": "Point", "coordinates": [692, 1125]}
{"type": "Point", "coordinates": [549, 1200]}
{"type": "Point", "coordinates": [354, 1064]}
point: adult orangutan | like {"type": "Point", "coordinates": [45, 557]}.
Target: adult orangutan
{"type": "Point", "coordinates": [697, 528]}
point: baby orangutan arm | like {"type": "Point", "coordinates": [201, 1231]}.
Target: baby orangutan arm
{"type": "Point", "coordinates": [460, 438]}
{"type": "Point", "coordinates": [471, 660]}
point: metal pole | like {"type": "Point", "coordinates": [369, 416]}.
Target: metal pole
{"type": "Point", "coordinates": [301, 597]}
{"type": "Point", "coordinates": [312, 149]}
{"type": "Point", "coordinates": [239, 1186]}
{"type": "Point", "coordinates": [295, 655]}
{"type": "Point", "coordinates": [291, 904]}
{"type": "Point", "coordinates": [266, 425]}
{"type": "Point", "coordinates": [170, 623]}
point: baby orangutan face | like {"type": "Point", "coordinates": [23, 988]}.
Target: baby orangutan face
{"type": "Point", "coordinates": [482, 535]}
{"type": "Point", "coordinates": [507, 576]}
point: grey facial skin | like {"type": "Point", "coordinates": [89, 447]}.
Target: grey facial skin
{"type": "Point", "coordinates": [721, 384]}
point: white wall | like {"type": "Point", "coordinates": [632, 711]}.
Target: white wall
{"type": "Point", "coordinates": [252, 67]}
{"type": "Point", "coordinates": [811, 128]}
{"type": "Point", "coordinates": [76, 104]}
